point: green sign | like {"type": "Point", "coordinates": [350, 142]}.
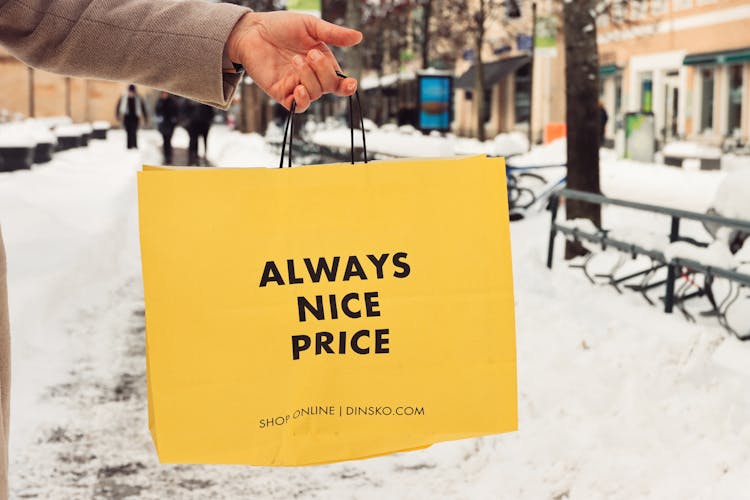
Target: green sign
{"type": "Point", "coordinates": [545, 38]}
{"type": "Point", "coordinates": [306, 6]}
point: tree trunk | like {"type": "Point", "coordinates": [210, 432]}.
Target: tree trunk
{"type": "Point", "coordinates": [582, 111]}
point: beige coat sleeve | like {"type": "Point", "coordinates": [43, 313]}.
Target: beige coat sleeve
{"type": "Point", "coordinates": [170, 45]}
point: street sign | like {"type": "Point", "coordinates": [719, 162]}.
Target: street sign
{"type": "Point", "coordinates": [545, 41]}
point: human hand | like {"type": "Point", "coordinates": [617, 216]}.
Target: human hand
{"type": "Point", "coordinates": [286, 55]}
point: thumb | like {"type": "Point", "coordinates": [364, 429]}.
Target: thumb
{"type": "Point", "coordinates": [335, 35]}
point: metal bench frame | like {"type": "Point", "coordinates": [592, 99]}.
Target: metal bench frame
{"type": "Point", "coordinates": [673, 265]}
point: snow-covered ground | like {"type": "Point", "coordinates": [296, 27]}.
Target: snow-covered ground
{"type": "Point", "coordinates": [616, 399]}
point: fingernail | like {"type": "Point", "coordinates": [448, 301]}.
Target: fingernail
{"type": "Point", "coordinates": [298, 61]}
{"type": "Point", "coordinates": [315, 54]}
{"type": "Point", "coordinates": [303, 92]}
{"type": "Point", "coordinates": [351, 86]}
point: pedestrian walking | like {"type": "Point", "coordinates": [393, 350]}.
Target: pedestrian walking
{"type": "Point", "coordinates": [197, 119]}
{"type": "Point", "coordinates": [131, 112]}
{"type": "Point", "coordinates": [166, 112]}
{"type": "Point", "coordinates": [191, 47]}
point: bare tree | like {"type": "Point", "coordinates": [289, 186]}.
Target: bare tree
{"type": "Point", "coordinates": [457, 24]}
{"type": "Point", "coordinates": [582, 110]}
{"type": "Point", "coordinates": [581, 98]}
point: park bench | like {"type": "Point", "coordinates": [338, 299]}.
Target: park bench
{"type": "Point", "coordinates": [683, 257]}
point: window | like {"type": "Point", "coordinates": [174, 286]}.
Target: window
{"type": "Point", "coordinates": [707, 99]}
{"type": "Point", "coordinates": [638, 10]}
{"type": "Point", "coordinates": [522, 101]}
{"type": "Point", "coordinates": [603, 20]}
{"type": "Point", "coordinates": [735, 98]}
{"type": "Point", "coordinates": [658, 7]}
{"type": "Point", "coordinates": [618, 95]}
{"type": "Point", "coordinates": [486, 104]}
{"type": "Point", "coordinates": [618, 12]}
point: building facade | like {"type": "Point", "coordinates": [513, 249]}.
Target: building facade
{"type": "Point", "coordinates": [35, 93]}
{"type": "Point", "coordinates": [685, 61]}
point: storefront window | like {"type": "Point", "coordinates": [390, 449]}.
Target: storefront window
{"type": "Point", "coordinates": [707, 99]}
{"type": "Point", "coordinates": [618, 95]}
{"type": "Point", "coordinates": [735, 98]}
{"type": "Point", "coordinates": [522, 102]}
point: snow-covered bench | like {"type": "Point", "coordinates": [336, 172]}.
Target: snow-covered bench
{"type": "Point", "coordinates": [675, 252]}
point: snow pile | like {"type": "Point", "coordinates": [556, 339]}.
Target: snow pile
{"type": "Point", "coordinates": [687, 149]}
{"type": "Point", "coordinates": [716, 255]}
{"type": "Point", "coordinates": [70, 233]}
{"type": "Point", "coordinates": [85, 128]}
{"type": "Point", "coordinates": [582, 225]}
{"type": "Point", "coordinates": [743, 254]}
{"type": "Point", "coordinates": [233, 149]}
{"type": "Point", "coordinates": [407, 142]}
{"type": "Point", "coordinates": [648, 240]}
{"type": "Point", "coordinates": [16, 135]}
{"type": "Point", "coordinates": [732, 197]}
{"type": "Point", "coordinates": [68, 131]}
{"type": "Point", "coordinates": [554, 153]}
{"type": "Point", "coordinates": [40, 132]}
{"type": "Point", "coordinates": [514, 143]}
{"type": "Point", "coordinates": [735, 162]}
{"type": "Point", "coordinates": [101, 125]}
{"type": "Point", "coordinates": [659, 184]}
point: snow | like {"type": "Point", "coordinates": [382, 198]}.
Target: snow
{"type": "Point", "coordinates": [233, 149]}
{"type": "Point", "coordinates": [616, 398]}
{"type": "Point", "coordinates": [649, 240]}
{"type": "Point", "coordinates": [407, 141]}
{"type": "Point", "coordinates": [40, 132]}
{"type": "Point", "coordinates": [68, 131]}
{"type": "Point", "coordinates": [554, 153]}
{"type": "Point", "coordinates": [70, 234]}
{"type": "Point", "coordinates": [16, 136]}
{"type": "Point", "coordinates": [732, 161]}
{"type": "Point", "coordinates": [373, 81]}
{"type": "Point", "coordinates": [101, 125]}
{"type": "Point", "coordinates": [732, 198]}
{"type": "Point", "coordinates": [687, 149]}
{"type": "Point", "coordinates": [716, 255]}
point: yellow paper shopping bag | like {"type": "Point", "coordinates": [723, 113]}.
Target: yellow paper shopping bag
{"type": "Point", "coordinates": [326, 313]}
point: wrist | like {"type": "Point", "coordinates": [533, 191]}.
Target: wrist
{"type": "Point", "coordinates": [232, 49]}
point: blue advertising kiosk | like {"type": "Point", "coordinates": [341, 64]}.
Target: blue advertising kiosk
{"type": "Point", "coordinates": [435, 100]}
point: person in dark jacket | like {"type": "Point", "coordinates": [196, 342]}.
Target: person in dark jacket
{"type": "Point", "coordinates": [166, 112]}
{"type": "Point", "coordinates": [603, 119]}
{"type": "Point", "coordinates": [131, 111]}
{"type": "Point", "coordinates": [197, 120]}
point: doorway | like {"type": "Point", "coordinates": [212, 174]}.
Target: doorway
{"type": "Point", "coordinates": [671, 105]}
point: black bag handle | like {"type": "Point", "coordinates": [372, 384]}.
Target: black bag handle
{"type": "Point", "coordinates": [289, 127]}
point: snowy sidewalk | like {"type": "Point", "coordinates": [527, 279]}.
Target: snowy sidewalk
{"type": "Point", "coordinates": [616, 399]}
